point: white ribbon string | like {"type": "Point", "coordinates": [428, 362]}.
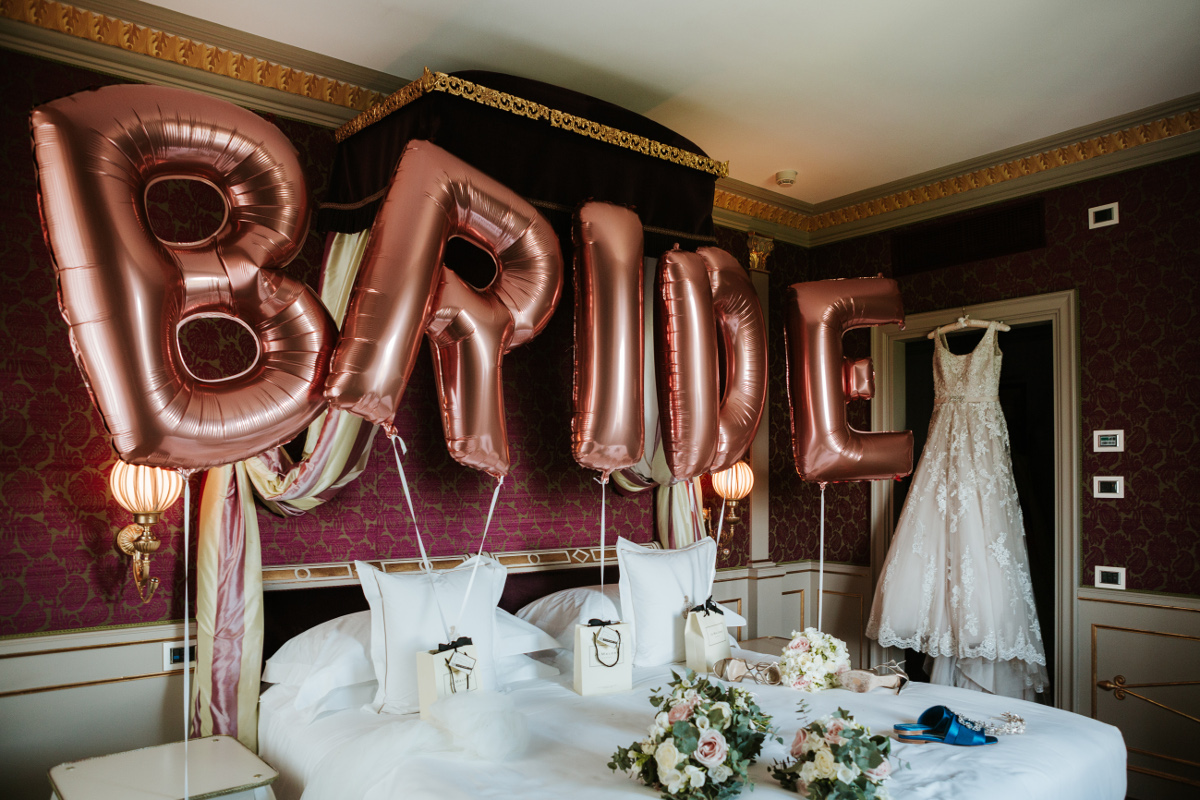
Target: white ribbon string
{"type": "Point", "coordinates": [187, 638]}
{"type": "Point", "coordinates": [821, 566]}
{"type": "Point", "coordinates": [478, 557]}
{"type": "Point", "coordinates": [450, 630]}
{"type": "Point", "coordinates": [425, 563]}
{"type": "Point", "coordinates": [720, 524]}
{"type": "Point", "coordinates": [603, 481]}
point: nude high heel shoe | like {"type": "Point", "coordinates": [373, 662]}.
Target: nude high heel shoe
{"type": "Point", "coordinates": [861, 680]}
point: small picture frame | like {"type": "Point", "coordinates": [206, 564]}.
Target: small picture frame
{"type": "Point", "coordinates": [1108, 441]}
{"type": "Point", "coordinates": [1108, 486]}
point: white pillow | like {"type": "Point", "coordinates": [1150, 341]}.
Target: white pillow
{"type": "Point", "coordinates": [520, 667]}
{"type": "Point", "coordinates": [325, 657]}
{"type": "Point", "coordinates": [405, 619]}
{"type": "Point", "coordinates": [657, 587]}
{"type": "Point", "coordinates": [515, 636]}
{"type": "Point", "coordinates": [557, 613]}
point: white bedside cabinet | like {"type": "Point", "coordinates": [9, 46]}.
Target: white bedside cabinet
{"type": "Point", "coordinates": [218, 766]}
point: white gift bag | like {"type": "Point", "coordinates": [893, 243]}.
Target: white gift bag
{"type": "Point", "coordinates": [448, 670]}
{"type": "Point", "coordinates": [603, 657]}
{"type": "Point", "coordinates": [705, 638]}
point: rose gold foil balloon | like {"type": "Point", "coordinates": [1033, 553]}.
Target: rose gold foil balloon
{"type": "Point", "coordinates": [607, 429]}
{"type": "Point", "coordinates": [825, 447]}
{"type": "Point", "coordinates": [743, 335]}
{"type": "Point", "coordinates": [403, 290]}
{"type": "Point", "coordinates": [125, 294]}
{"type": "Point", "coordinates": [686, 369]}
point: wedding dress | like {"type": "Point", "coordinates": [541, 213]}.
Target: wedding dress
{"type": "Point", "coordinates": [956, 584]}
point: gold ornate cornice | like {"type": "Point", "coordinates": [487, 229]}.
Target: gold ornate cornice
{"type": "Point", "coordinates": [165, 46]}
{"type": "Point", "coordinates": [1091, 148]}
{"type": "Point", "coordinates": [441, 82]}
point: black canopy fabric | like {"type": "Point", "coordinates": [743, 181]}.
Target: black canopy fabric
{"type": "Point", "coordinates": [553, 161]}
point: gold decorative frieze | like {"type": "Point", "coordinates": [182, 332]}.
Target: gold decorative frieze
{"type": "Point", "coordinates": [181, 50]}
{"type": "Point", "coordinates": [1095, 147]}
{"type": "Point", "coordinates": [441, 82]}
{"type": "Point", "coordinates": [294, 576]}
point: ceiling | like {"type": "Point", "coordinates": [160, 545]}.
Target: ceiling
{"type": "Point", "coordinates": [852, 95]}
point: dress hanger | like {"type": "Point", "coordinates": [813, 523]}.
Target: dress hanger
{"type": "Point", "coordinates": [965, 321]}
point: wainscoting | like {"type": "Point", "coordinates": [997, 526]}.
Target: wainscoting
{"type": "Point", "coordinates": [1138, 668]}
{"type": "Point", "coordinates": [69, 696]}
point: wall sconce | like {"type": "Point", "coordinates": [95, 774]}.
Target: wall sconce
{"type": "Point", "coordinates": [733, 485]}
{"type": "Point", "coordinates": [145, 492]}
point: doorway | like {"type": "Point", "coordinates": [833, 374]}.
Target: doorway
{"type": "Point", "coordinates": [1039, 396]}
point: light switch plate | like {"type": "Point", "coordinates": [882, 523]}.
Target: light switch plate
{"type": "Point", "coordinates": [1108, 486]}
{"type": "Point", "coordinates": [1103, 216]}
{"type": "Point", "coordinates": [1108, 441]}
{"type": "Point", "coordinates": [173, 655]}
{"type": "Point", "coordinates": [1110, 578]}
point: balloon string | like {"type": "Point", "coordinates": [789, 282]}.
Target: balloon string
{"type": "Point", "coordinates": [720, 524]}
{"type": "Point", "coordinates": [603, 484]}
{"type": "Point", "coordinates": [821, 567]}
{"type": "Point", "coordinates": [187, 643]}
{"type": "Point", "coordinates": [478, 558]}
{"type": "Point", "coordinates": [425, 564]}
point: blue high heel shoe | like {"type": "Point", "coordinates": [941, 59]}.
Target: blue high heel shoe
{"type": "Point", "coordinates": [940, 724]}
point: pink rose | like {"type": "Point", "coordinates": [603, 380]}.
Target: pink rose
{"type": "Point", "coordinates": [877, 774]}
{"type": "Point", "coordinates": [800, 644]}
{"type": "Point", "coordinates": [681, 712]}
{"type": "Point", "coordinates": [801, 683]}
{"type": "Point", "coordinates": [833, 731]}
{"type": "Point", "coordinates": [798, 742]}
{"type": "Point", "coordinates": [712, 748]}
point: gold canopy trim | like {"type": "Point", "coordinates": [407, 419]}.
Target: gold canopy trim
{"type": "Point", "coordinates": [441, 82]}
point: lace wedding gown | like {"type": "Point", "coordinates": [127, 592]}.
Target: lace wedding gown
{"type": "Point", "coordinates": [956, 581]}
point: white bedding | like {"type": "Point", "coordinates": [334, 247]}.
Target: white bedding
{"type": "Point", "coordinates": [359, 754]}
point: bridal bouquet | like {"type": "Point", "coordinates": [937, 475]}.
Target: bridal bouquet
{"type": "Point", "coordinates": [813, 660]}
{"type": "Point", "coordinates": [702, 741]}
{"type": "Point", "coordinates": [835, 757]}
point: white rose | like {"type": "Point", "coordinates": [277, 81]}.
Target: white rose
{"type": "Point", "coordinates": [660, 719]}
{"type": "Point", "coordinates": [667, 756]}
{"type": "Point", "coordinates": [808, 772]}
{"type": "Point", "coordinates": [826, 764]}
{"type": "Point", "coordinates": [672, 779]}
{"type": "Point", "coordinates": [719, 773]}
{"type": "Point", "coordinates": [726, 714]}
{"type": "Point", "coordinates": [695, 776]}
{"type": "Point", "coordinates": [845, 774]}
{"type": "Point", "coordinates": [648, 746]}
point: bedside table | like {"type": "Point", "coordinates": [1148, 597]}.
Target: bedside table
{"type": "Point", "coordinates": [767, 645]}
{"type": "Point", "coordinates": [218, 766]}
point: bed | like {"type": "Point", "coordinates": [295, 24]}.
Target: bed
{"type": "Point", "coordinates": [348, 750]}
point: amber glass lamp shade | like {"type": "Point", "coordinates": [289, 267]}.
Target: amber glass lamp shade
{"type": "Point", "coordinates": [733, 484]}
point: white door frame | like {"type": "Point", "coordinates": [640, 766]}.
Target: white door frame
{"type": "Point", "coordinates": [888, 413]}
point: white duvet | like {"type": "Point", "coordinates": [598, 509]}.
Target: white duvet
{"type": "Point", "coordinates": [359, 754]}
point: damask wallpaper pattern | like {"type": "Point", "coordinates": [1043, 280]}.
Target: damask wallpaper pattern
{"type": "Point", "coordinates": [1138, 286]}
{"type": "Point", "coordinates": [58, 570]}
{"type": "Point", "coordinates": [1139, 295]}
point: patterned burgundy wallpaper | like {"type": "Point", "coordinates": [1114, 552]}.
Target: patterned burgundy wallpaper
{"type": "Point", "coordinates": [58, 570]}
{"type": "Point", "coordinates": [1139, 291]}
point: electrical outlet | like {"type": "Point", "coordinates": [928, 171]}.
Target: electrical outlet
{"type": "Point", "coordinates": [173, 655]}
{"type": "Point", "coordinates": [1110, 578]}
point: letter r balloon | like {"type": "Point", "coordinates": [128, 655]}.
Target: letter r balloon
{"type": "Point", "coordinates": [821, 380]}
{"type": "Point", "coordinates": [403, 291]}
{"type": "Point", "coordinates": [124, 293]}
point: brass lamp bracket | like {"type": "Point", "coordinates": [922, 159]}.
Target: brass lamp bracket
{"type": "Point", "coordinates": [137, 542]}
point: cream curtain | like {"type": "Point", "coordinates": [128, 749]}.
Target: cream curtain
{"type": "Point", "coordinates": [229, 618]}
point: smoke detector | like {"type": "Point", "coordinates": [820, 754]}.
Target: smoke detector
{"type": "Point", "coordinates": [785, 177]}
